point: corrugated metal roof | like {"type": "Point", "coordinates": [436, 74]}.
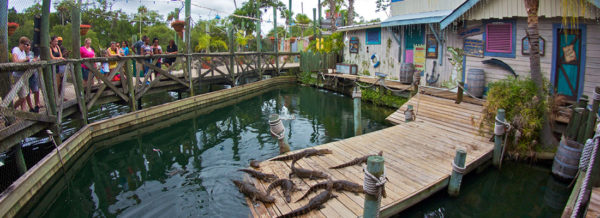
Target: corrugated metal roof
{"type": "Point", "coordinates": [416, 18]}
{"type": "Point", "coordinates": [359, 26]}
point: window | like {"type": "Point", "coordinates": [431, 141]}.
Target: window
{"type": "Point", "coordinates": [373, 36]}
{"type": "Point", "coordinates": [500, 39]}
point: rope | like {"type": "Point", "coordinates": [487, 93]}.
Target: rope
{"type": "Point", "coordinates": [596, 96]}
{"type": "Point", "coordinates": [468, 93]}
{"type": "Point", "coordinates": [392, 90]}
{"type": "Point", "coordinates": [502, 128]}
{"type": "Point", "coordinates": [277, 129]}
{"type": "Point", "coordinates": [585, 186]}
{"type": "Point", "coordinates": [373, 185]}
{"type": "Point", "coordinates": [458, 169]}
{"type": "Point", "coordinates": [364, 87]}
{"type": "Point", "coordinates": [586, 154]}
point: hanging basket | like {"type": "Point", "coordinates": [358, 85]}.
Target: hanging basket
{"type": "Point", "coordinates": [83, 29]}
{"type": "Point", "coordinates": [12, 27]}
{"type": "Point", "coordinates": [179, 26]}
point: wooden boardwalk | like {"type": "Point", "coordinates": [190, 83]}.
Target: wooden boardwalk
{"type": "Point", "coordinates": [372, 80]}
{"type": "Point", "coordinates": [593, 210]}
{"type": "Point", "coordinates": [418, 157]}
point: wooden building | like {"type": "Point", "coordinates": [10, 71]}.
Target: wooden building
{"type": "Point", "coordinates": [485, 29]}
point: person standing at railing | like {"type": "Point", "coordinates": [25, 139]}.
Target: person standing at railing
{"type": "Point", "coordinates": [63, 50]}
{"type": "Point", "coordinates": [146, 50]}
{"type": "Point", "coordinates": [125, 48]}
{"type": "Point", "coordinates": [33, 84]}
{"type": "Point", "coordinates": [171, 49]}
{"type": "Point", "coordinates": [113, 51]}
{"type": "Point", "coordinates": [156, 49]}
{"type": "Point", "coordinates": [86, 51]}
{"type": "Point", "coordinates": [137, 49]}
{"type": "Point", "coordinates": [56, 54]}
{"type": "Point", "coordinates": [20, 56]}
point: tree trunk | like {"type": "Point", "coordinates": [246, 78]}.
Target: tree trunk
{"type": "Point", "coordinates": [350, 12]}
{"type": "Point", "coordinates": [532, 6]}
{"type": "Point", "coordinates": [4, 76]}
{"type": "Point", "coordinates": [332, 14]}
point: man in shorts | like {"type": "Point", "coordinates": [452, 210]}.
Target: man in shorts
{"type": "Point", "coordinates": [20, 56]}
{"type": "Point", "coordinates": [33, 84]}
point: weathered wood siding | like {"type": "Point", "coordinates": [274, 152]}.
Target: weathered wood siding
{"type": "Point", "coordinates": [498, 9]}
{"type": "Point", "coordinates": [417, 6]}
{"type": "Point", "coordinates": [390, 55]}
{"type": "Point", "coordinates": [521, 62]}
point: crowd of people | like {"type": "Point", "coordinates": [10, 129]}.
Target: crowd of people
{"type": "Point", "coordinates": [23, 53]}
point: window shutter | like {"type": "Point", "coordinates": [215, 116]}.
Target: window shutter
{"type": "Point", "coordinates": [499, 38]}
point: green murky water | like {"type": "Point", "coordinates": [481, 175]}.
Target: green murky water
{"type": "Point", "coordinates": [185, 169]}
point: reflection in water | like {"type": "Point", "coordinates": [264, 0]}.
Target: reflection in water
{"type": "Point", "coordinates": [518, 190]}
{"type": "Point", "coordinates": [185, 169]}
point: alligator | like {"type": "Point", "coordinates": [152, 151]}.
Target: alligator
{"type": "Point", "coordinates": [287, 186]}
{"type": "Point", "coordinates": [338, 185]}
{"type": "Point", "coordinates": [250, 191]}
{"type": "Point", "coordinates": [305, 153]}
{"type": "Point", "coordinates": [255, 164]}
{"type": "Point", "coordinates": [260, 176]}
{"type": "Point", "coordinates": [356, 161]}
{"type": "Point", "coordinates": [314, 203]}
{"type": "Point", "coordinates": [304, 173]}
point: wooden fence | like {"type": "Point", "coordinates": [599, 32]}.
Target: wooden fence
{"type": "Point", "coordinates": [318, 61]}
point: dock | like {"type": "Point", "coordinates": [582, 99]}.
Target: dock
{"type": "Point", "coordinates": [418, 157]}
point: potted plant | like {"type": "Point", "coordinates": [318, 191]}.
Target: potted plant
{"type": "Point", "coordinates": [205, 63]}
{"type": "Point", "coordinates": [179, 26]}
{"type": "Point", "coordinates": [12, 27]}
{"type": "Point", "coordinates": [83, 29]}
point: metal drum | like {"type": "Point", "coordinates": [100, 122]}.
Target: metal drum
{"type": "Point", "coordinates": [476, 82]}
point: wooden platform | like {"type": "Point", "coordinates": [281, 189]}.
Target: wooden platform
{"type": "Point", "coordinates": [418, 157]}
{"type": "Point", "coordinates": [593, 210]}
{"type": "Point", "coordinates": [372, 80]}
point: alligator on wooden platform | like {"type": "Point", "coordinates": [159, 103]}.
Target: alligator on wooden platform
{"type": "Point", "coordinates": [251, 192]}
{"type": "Point", "coordinates": [338, 185]}
{"type": "Point", "coordinates": [287, 186]}
{"type": "Point", "coordinates": [305, 153]}
{"type": "Point", "coordinates": [261, 176]}
{"type": "Point", "coordinates": [356, 161]}
{"type": "Point", "coordinates": [315, 203]}
{"type": "Point", "coordinates": [304, 173]}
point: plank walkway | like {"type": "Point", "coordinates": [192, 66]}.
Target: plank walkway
{"type": "Point", "coordinates": [372, 80]}
{"type": "Point", "coordinates": [593, 210]}
{"type": "Point", "coordinates": [418, 157]}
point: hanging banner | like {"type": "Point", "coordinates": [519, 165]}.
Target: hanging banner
{"type": "Point", "coordinates": [419, 57]}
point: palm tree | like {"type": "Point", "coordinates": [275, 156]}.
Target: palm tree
{"type": "Point", "coordinates": [333, 9]}
{"type": "Point", "coordinates": [350, 17]}
{"type": "Point", "coordinates": [532, 6]}
{"type": "Point", "coordinates": [302, 20]}
{"type": "Point", "coordinates": [173, 15]}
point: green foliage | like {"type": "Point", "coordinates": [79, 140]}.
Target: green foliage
{"type": "Point", "coordinates": [216, 44]}
{"type": "Point", "coordinates": [382, 98]}
{"type": "Point", "coordinates": [306, 78]}
{"type": "Point", "coordinates": [524, 110]}
{"type": "Point", "coordinates": [162, 32]}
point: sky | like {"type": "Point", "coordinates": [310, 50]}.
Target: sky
{"type": "Point", "coordinates": [223, 8]}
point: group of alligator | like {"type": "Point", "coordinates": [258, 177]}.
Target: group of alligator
{"type": "Point", "coordinates": [288, 186]}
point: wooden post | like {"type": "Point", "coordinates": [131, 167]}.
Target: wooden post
{"type": "Point", "coordinates": [188, 44]}
{"type": "Point", "coordinates": [77, 77]}
{"type": "Point", "coordinates": [314, 23]}
{"type": "Point", "coordinates": [47, 71]}
{"type": "Point", "coordinates": [583, 124]}
{"type": "Point", "coordinates": [459, 94]}
{"type": "Point", "coordinates": [20, 159]}
{"type": "Point", "coordinates": [591, 119]}
{"type": "Point", "coordinates": [4, 50]}
{"type": "Point", "coordinates": [231, 56]}
{"type": "Point", "coordinates": [409, 114]}
{"type": "Point", "coordinates": [319, 21]}
{"type": "Point", "coordinates": [499, 137]}
{"type": "Point", "coordinates": [357, 95]}
{"type": "Point", "coordinates": [276, 40]}
{"type": "Point", "coordinates": [258, 41]}
{"type": "Point", "coordinates": [131, 88]}
{"type": "Point", "coordinates": [456, 177]}
{"type": "Point", "coordinates": [375, 166]}
{"type": "Point", "coordinates": [575, 121]}
{"type": "Point", "coordinates": [283, 145]}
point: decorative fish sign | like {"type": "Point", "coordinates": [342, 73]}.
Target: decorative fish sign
{"type": "Point", "coordinates": [500, 64]}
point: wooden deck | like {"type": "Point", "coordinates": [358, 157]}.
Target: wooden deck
{"type": "Point", "coordinates": [593, 210]}
{"type": "Point", "coordinates": [372, 80]}
{"type": "Point", "coordinates": [418, 157]}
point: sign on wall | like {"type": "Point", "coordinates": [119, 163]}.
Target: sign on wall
{"type": "Point", "coordinates": [473, 47]}
{"type": "Point", "coordinates": [419, 57]}
{"type": "Point", "coordinates": [354, 45]}
{"type": "Point", "coordinates": [525, 46]}
{"type": "Point", "coordinates": [432, 46]}
{"type": "Point", "coordinates": [471, 31]}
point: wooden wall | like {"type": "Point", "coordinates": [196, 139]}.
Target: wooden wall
{"type": "Point", "coordinates": [497, 9]}
{"type": "Point", "coordinates": [521, 62]}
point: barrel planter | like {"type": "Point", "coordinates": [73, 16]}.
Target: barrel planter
{"type": "Point", "coordinates": [566, 161]}
{"type": "Point", "coordinates": [476, 82]}
{"type": "Point", "coordinates": [406, 73]}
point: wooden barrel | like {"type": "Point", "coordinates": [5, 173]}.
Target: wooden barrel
{"type": "Point", "coordinates": [566, 160]}
{"type": "Point", "coordinates": [557, 193]}
{"type": "Point", "coordinates": [406, 73]}
{"type": "Point", "coordinates": [476, 82]}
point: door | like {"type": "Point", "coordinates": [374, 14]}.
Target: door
{"type": "Point", "coordinates": [568, 62]}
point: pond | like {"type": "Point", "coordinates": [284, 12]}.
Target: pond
{"type": "Point", "coordinates": [185, 169]}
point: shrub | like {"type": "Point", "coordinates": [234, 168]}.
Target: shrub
{"type": "Point", "coordinates": [524, 110]}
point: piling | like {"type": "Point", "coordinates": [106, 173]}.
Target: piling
{"type": "Point", "coordinates": [20, 160]}
{"type": "Point", "coordinates": [458, 169]}
{"type": "Point", "coordinates": [583, 102]}
{"type": "Point", "coordinates": [258, 40]}
{"type": "Point", "coordinates": [409, 114]}
{"type": "Point", "coordinates": [314, 21]}
{"type": "Point", "coordinates": [356, 96]}
{"type": "Point", "coordinates": [276, 40]}
{"type": "Point", "coordinates": [499, 137]}
{"type": "Point", "coordinates": [4, 77]}
{"type": "Point", "coordinates": [574, 123]}
{"type": "Point", "coordinates": [591, 119]}
{"type": "Point", "coordinates": [278, 131]}
{"type": "Point", "coordinates": [375, 166]}
{"type": "Point", "coordinates": [459, 94]}
{"type": "Point", "coordinates": [188, 44]}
